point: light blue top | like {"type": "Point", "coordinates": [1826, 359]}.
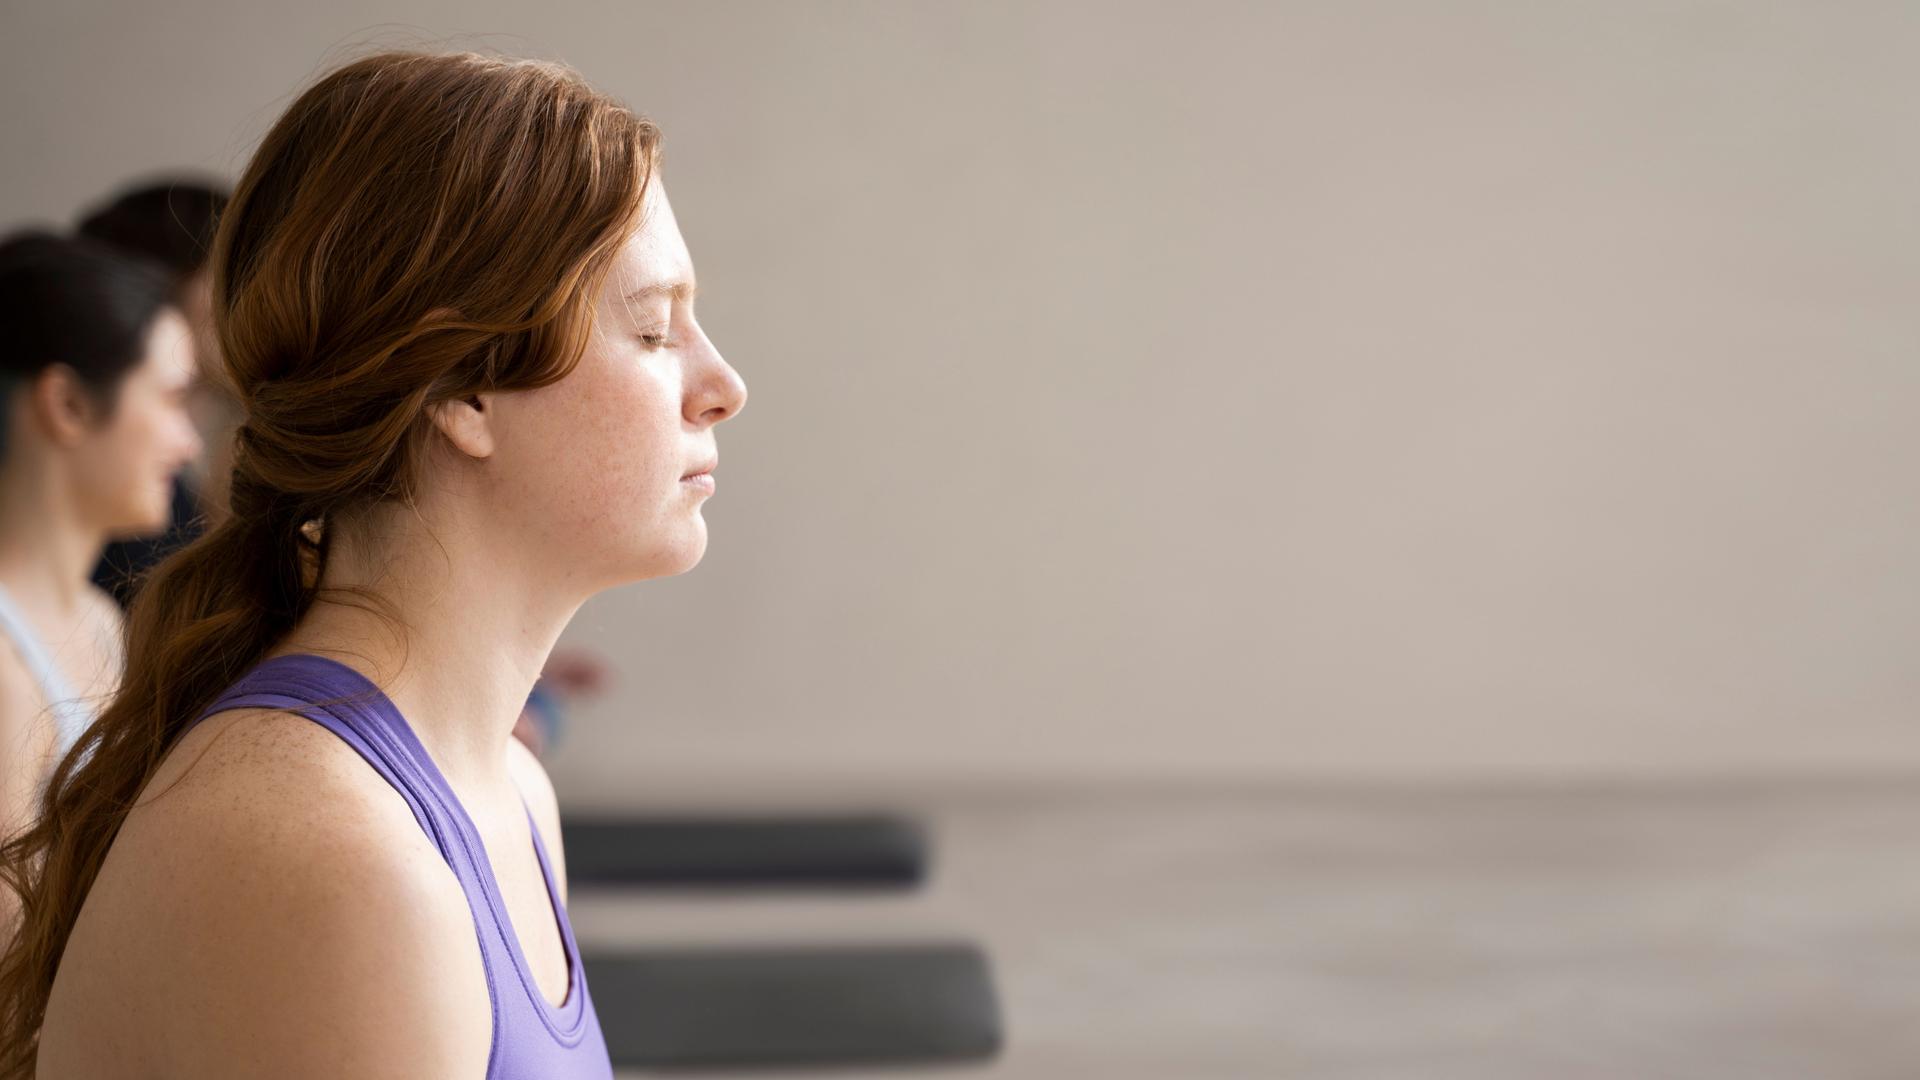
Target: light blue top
{"type": "Point", "coordinates": [72, 714]}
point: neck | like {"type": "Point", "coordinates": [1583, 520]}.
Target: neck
{"type": "Point", "coordinates": [47, 547]}
{"type": "Point", "coordinates": [470, 630]}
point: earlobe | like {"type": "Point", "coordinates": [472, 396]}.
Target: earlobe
{"type": "Point", "coordinates": [467, 423]}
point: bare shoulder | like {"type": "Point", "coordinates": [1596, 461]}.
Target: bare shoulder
{"type": "Point", "coordinates": [270, 904]}
{"type": "Point", "coordinates": [536, 787]}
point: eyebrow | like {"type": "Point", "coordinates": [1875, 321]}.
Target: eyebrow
{"type": "Point", "coordinates": [683, 291]}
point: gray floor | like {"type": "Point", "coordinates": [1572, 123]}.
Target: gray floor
{"type": "Point", "coordinates": [1748, 933]}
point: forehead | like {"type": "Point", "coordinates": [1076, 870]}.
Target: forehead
{"type": "Point", "coordinates": [655, 255]}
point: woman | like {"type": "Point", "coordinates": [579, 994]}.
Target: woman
{"type": "Point", "coordinates": [171, 222]}
{"type": "Point", "coordinates": [94, 372]}
{"type": "Point", "coordinates": [453, 300]}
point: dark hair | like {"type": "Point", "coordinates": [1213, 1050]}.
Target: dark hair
{"type": "Point", "coordinates": [76, 303]}
{"type": "Point", "coordinates": [415, 229]}
{"type": "Point", "coordinates": [170, 221]}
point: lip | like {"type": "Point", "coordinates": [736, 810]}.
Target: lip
{"type": "Point", "coordinates": [701, 478]}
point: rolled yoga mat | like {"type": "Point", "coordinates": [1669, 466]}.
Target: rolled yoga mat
{"type": "Point", "coordinates": [743, 1007]}
{"type": "Point", "coordinates": [787, 852]}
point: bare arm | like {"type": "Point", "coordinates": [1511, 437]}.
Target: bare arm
{"type": "Point", "coordinates": [277, 913]}
{"type": "Point", "coordinates": [329, 957]}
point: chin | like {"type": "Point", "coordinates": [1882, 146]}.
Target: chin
{"type": "Point", "coordinates": [676, 559]}
{"type": "Point", "coordinates": [160, 517]}
{"type": "Point", "coordinates": [686, 561]}
{"type": "Point", "coordinates": [143, 521]}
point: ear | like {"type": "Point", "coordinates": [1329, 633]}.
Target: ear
{"type": "Point", "coordinates": [61, 405]}
{"type": "Point", "coordinates": [467, 423]}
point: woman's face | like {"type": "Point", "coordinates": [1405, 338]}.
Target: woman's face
{"type": "Point", "coordinates": [609, 467]}
{"type": "Point", "coordinates": [124, 467]}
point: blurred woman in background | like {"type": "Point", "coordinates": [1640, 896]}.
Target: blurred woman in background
{"type": "Point", "coordinates": [457, 310]}
{"type": "Point", "coordinates": [95, 362]}
{"type": "Point", "coordinates": [171, 222]}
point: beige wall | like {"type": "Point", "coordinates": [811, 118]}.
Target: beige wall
{"type": "Point", "coordinates": [1223, 391]}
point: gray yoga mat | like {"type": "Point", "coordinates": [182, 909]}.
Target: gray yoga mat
{"type": "Point", "coordinates": [846, 851]}
{"type": "Point", "coordinates": [738, 1007]}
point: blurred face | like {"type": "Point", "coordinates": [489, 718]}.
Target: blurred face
{"type": "Point", "coordinates": [125, 465]}
{"type": "Point", "coordinates": [608, 469]}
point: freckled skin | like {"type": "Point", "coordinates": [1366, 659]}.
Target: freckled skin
{"type": "Point", "coordinates": [597, 458]}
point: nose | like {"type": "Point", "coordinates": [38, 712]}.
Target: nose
{"type": "Point", "coordinates": [191, 444]}
{"type": "Point", "coordinates": [718, 392]}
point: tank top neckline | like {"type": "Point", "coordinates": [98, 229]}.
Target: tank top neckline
{"type": "Point", "coordinates": [566, 1021]}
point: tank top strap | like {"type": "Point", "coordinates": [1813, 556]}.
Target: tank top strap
{"type": "Point", "coordinates": [559, 906]}
{"type": "Point", "coordinates": [531, 1036]}
{"type": "Point", "coordinates": [342, 700]}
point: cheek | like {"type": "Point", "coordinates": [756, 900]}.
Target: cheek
{"type": "Point", "coordinates": [122, 467]}
{"type": "Point", "coordinates": [128, 445]}
{"type": "Point", "coordinates": [610, 453]}
{"type": "Point", "coordinates": [633, 433]}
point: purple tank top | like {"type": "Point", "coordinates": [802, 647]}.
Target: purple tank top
{"type": "Point", "coordinates": [532, 1038]}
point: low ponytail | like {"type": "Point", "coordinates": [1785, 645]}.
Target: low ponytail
{"type": "Point", "coordinates": [283, 530]}
{"type": "Point", "coordinates": [192, 630]}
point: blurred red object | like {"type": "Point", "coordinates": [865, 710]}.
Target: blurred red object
{"type": "Point", "coordinates": [577, 673]}
{"type": "Point", "coordinates": [570, 675]}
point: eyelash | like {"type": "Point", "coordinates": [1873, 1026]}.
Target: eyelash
{"type": "Point", "coordinates": [654, 341]}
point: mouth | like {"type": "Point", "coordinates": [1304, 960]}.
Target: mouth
{"type": "Point", "coordinates": [701, 477]}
